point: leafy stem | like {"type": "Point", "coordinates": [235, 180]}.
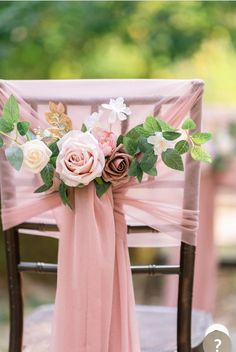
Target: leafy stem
{"type": "Point", "coordinates": [13, 139]}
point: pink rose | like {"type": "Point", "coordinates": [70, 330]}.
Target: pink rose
{"type": "Point", "coordinates": [117, 166]}
{"type": "Point", "coordinates": [106, 140]}
{"type": "Point", "coordinates": [80, 159]}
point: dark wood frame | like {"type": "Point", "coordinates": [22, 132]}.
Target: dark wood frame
{"type": "Point", "coordinates": [185, 269]}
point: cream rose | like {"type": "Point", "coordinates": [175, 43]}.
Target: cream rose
{"type": "Point", "coordinates": [36, 155]}
{"type": "Point", "coordinates": [80, 159]}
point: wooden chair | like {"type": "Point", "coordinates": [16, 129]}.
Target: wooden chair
{"type": "Point", "coordinates": [155, 321]}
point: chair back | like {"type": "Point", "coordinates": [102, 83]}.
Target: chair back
{"type": "Point", "coordinates": [172, 100]}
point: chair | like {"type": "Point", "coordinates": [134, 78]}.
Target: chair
{"type": "Point", "coordinates": [153, 320]}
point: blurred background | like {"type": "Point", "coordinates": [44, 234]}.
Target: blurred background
{"type": "Point", "coordinates": [111, 39]}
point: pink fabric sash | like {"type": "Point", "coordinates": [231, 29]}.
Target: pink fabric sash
{"type": "Point", "coordinates": [94, 309]}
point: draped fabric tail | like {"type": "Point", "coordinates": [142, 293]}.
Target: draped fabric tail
{"type": "Point", "coordinates": [92, 313]}
{"type": "Point", "coordinates": [124, 330]}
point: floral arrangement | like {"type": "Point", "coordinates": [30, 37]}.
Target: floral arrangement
{"type": "Point", "coordinates": [224, 147]}
{"type": "Point", "coordinates": [67, 157]}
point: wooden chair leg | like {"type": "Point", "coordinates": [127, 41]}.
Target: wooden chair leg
{"type": "Point", "coordinates": [187, 257]}
{"type": "Point", "coordinates": [15, 292]}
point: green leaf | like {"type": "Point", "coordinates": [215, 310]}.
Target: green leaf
{"type": "Point", "coordinates": [140, 174]}
{"type": "Point", "coordinates": [182, 147]}
{"type": "Point", "coordinates": [143, 145]}
{"type": "Point", "coordinates": [189, 124]}
{"type": "Point", "coordinates": [148, 161]}
{"type": "Point", "coordinates": [15, 156]}
{"type": "Point", "coordinates": [201, 138]}
{"type": "Point", "coordinates": [54, 149]}
{"type": "Point", "coordinates": [137, 132]}
{"type": "Point", "coordinates": [23, 127]}
{"type": "Point", "coordinates": [6, 126]}
{"type": "Point", "coordinates": [47, 174]}
{"type": "Point", "coordinates": [1, 142]}
{"type": "Point", "coordinates": [64, 194]}
{"type": "Point", "coordinates": [151, 125]}
{"type": "Point", "coordinates": [173, 159]}
{"type": "Point", "coordinates": [11, 110]}
{"type": "Point", "coordinates": [165, 126]}
{"type": "Point", "coordinates": [133, 169]}
{"type": "Point", "coordinates": [152, 171]}
{"type": "Point", "coordinates": [200, 154]}
{"type": "Point", "coordinates": [130, 145]}
{"type": "Point", "coordinates": [99, 180]}
{"type": "Point", "coordinates": [171, 135]}
{"type": "Point", "coordinates": [43, 188]}
{"type": "Point", "coordinates": [53, 161]}
{"type": "Point", "coordinates": [101, 188]}
{"type": "Point", "coordinates": [84, 128]}
{"type": "Point", "coordinates": [119, 140]}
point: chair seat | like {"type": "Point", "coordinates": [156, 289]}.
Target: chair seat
{"type": "Point", "coordinates": [157, 328]}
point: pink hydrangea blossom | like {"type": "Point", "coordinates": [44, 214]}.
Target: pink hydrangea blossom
{"type": "Point", "coordinates": [106, 140]}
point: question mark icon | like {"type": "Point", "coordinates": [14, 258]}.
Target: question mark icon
{"type": "Point", "coordinates": [218, 343]}
{"type": "Point", "coordinates": [217, 339]}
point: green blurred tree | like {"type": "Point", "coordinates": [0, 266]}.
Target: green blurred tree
{"type": "Point", "coordinates": [84, 39]}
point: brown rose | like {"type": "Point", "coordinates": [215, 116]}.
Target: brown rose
{"type": "Point", "coordinates": [117, 166]}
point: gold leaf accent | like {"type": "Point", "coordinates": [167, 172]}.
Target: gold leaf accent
{"type": "Point", "coordinates": [57, 118]}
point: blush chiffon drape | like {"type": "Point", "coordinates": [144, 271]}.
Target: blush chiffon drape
{"type": "Point", "coordinates": [94, 278]}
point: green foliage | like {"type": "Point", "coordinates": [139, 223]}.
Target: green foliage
{"type": "Point", "coordinates": [151, 125]}
{"type": "Point", "coordinates": [54, 149]}
{"type": "Point", "coordinates": [15, 156]}
{"type": "Point", "coordinates": [84, 128]}
{"type": "Point", "coordinates": [143, 145]}
{"type": "Point", "coordinates": [1, 142]}
{"type": "Point", "coordinates": [182, 147]}
{"type": "Point", "coordinates": [130, 145]}
{"type": "Point", "coordinates": [137, 132]}
{"type": "Point", "coordinates": [119, 140]}
{"type": "Point", "coordinates": [135, 170]}
{"type": "Point", "coordinates": [189, 124]}
{"type": "Point", "coordinates": [152, 171]}
{"type": "Point", "coordinates": [200, 154]}
{"type": "Point", "coordinates": [171, 135]}
{"type": "Point", "coordinates": [6, 126]}
{"type": "Point", "coordinates": [164, 126]}
{"type": "Point", "coordinates": [101, 186]}
{"type": "Point", "coordinates": [11, 112]}
{"type": "Point", "coordinates": [47, 174]}
{"type": "Point", "coordinates": [64, 194]}
{"type": "Point", "coordinates": [23, 127]}
{"type": "Point", "coordinates": [43, 188]}
{"type": "Point", "coordinates": [201, 137]}
{"type": "Point", "coordinates": [173, 159]}
{"type": "Point", "coordinates": [10, 116]}
{"type": "Point", "coordinates": [148, 161]}
{"type": "Point", "coordinates": [153, 39]}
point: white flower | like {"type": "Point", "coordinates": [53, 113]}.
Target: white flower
{"type": "Point", "coordinates": [118, 110]}
{"type": "Point", "coordinates": [47, 134]}
{"type": "Point", "coordinates": [94, 121]}
{"type": "Point", "coordinates": [36, 155]}
{"type": "Point", "coordinates": [159, 142]}
{"type": "Point", "coordinates": [80, 160]}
